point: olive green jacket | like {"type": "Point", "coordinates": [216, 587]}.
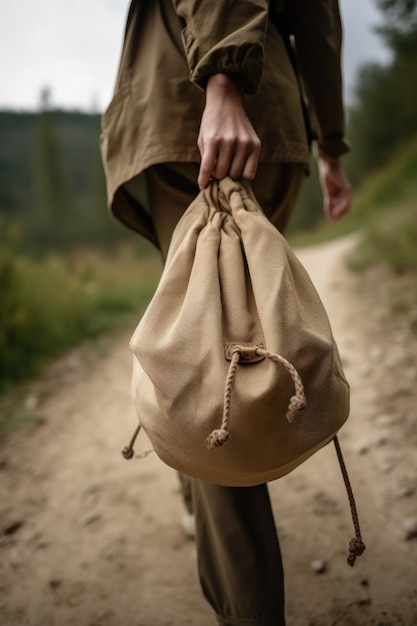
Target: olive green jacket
{"type": "Point", "coordinates": [170, 49]}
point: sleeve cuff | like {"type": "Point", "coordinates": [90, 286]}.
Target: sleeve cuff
{"type": "Point", "coordinates": [245, 62]}
{"type": "Point", "coordinates": [332, 147]}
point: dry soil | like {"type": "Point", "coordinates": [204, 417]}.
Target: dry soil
{"type": "Point", "coordinates": [89, 539]}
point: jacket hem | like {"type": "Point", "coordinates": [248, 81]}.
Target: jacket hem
{"type": "Point", "coordinates": [291, 153]}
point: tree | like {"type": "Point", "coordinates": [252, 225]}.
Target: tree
{"type": "Point", "coordinates": [53, 211]}
{"type": "Point", "coordinates": [400, 19]}
{"type": "Point", "coordinates": [383, 115]}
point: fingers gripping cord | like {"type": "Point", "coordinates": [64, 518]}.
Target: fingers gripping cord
{"type": "Point", "coordinates": [297, 402]}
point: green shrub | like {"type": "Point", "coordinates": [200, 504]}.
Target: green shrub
{"type": "Point", "coordinates": [391, 239]}
{"type": "Point", "coordinates": [49, 305]}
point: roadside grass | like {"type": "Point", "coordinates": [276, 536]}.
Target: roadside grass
{"type": "Point", "coordinates": [14, 414]}
{"type": "Point", "coordinates": [391, 243]}
{"type": "Point", "coordinates": [387, 221]}
{"type": "Point", "coordinates": [391, 240]}
{"type": "Point", "coordinates": [51, 304]}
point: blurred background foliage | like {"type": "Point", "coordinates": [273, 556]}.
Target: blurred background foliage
{"type": "Point", "coordinates": [68, 271]}
{"type": "Point", "coordinates": [382, 117]}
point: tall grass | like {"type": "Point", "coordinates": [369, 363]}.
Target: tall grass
{"type": "Point", "coordinates": [390, 187]}
{"type": "Point", "coordinates": [49, 305]}
{"type": "Point", "coordinates": [386, 219]}
{"type": "Point", "coordinates": [391, 240]}
{"type": "Point", "coordinates": [386, 214]}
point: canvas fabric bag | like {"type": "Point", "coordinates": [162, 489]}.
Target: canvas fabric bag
{"type": "Point", "coordinates": [237, 377]}
{"type": "Point", "coordinates": [231, 280]}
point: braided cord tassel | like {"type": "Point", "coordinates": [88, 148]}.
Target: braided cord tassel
{"type": "Point", "coordinates": [219, 436]}
{"type": "Point", "coordinates": [297, 402]}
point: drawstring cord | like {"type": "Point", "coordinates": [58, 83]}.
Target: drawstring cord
{"type": "Point", "coordinates": [356, 545]}
{"type": "Point", "coordinates": [219, 436]}
{"type": "Point", "coordinates": [129, 453]}
{"type": "Point", "coordinates": [297, 402]}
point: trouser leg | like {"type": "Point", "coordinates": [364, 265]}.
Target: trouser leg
{"type": "Point", "coordinates": [186, 492]}
{"type": "Point", "coordinates": [239, 558]}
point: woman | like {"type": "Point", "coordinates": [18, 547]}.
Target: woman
{"type": "Point", "coordinates": [233, 88]}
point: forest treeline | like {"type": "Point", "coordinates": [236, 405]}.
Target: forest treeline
{"type": "Point", "coordinates": [51, 179]}
{"type": "Point", "coordinates": [51, 176]}
{"type": "Point", "coordinates": [383, 116]}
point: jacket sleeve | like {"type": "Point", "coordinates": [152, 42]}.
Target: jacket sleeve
{"type": "Point", "coordinates": [224, 36]}
{"type": "Point", "coordinates": [317, 30]}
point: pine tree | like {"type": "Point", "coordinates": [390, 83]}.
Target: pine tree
{"type": "Point", "coordinates": [53, 223]}
{"type": "Point", "coordinates": [383, 116]}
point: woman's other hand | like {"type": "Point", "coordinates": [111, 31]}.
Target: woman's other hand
{"type": "Point", "coordinates": [335, 186]}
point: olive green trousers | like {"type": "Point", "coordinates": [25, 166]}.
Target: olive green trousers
{"type": "Point", "coordinates": [238, 553]}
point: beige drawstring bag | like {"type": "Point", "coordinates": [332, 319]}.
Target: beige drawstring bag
{"type": "Point", "coordinates": [237, 377]}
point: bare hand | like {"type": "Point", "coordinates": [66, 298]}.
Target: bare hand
{"type": "Point", "coordinates": [227, 140]}
{"type": "Point", "coordinates": [336, 189]}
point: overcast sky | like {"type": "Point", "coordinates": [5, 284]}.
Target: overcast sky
{"type": "Point", "coordinates": [73, 48]}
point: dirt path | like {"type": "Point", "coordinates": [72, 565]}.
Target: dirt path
{"type": "Point", "coordinates": [91, 540]}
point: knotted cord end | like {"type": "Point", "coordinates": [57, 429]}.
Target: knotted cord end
{"type": "Point", "coordinates": [217, 438]}
{"type": "Point", "coordinates": [297, 403]}
{"type": "Point", "coordinates": [356, 548]}
{"type": "Point", "coordinates": [128, 452]}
